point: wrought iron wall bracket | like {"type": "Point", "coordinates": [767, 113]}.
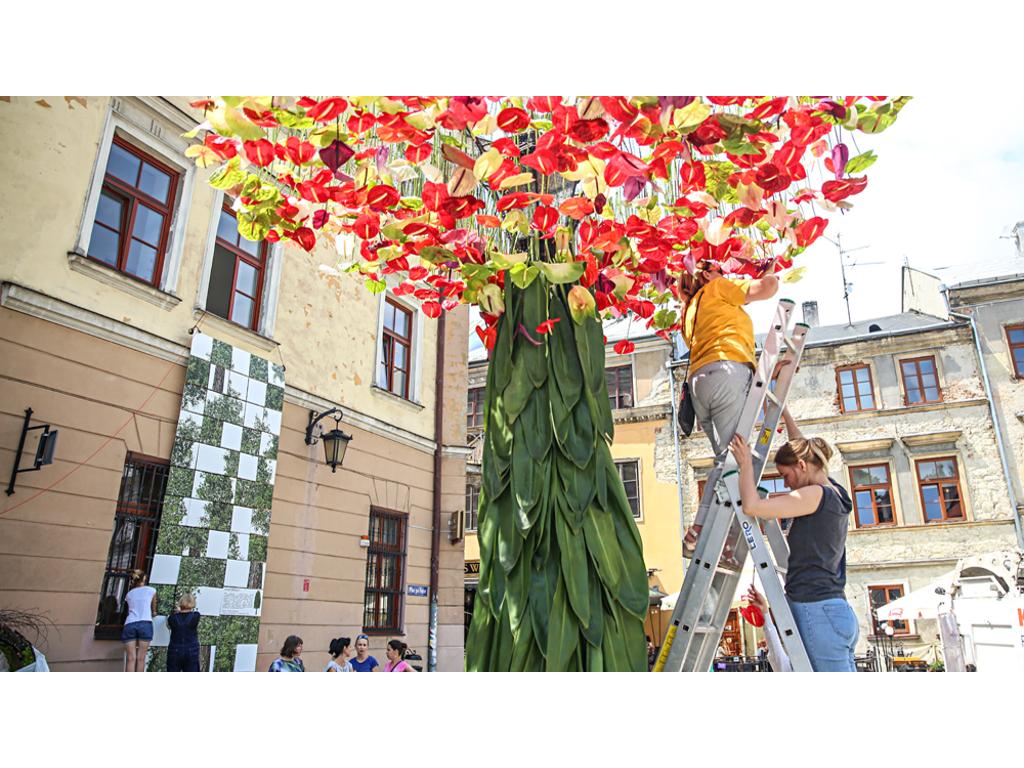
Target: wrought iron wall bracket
{"type": "Point", "coordinates": [44, 451]}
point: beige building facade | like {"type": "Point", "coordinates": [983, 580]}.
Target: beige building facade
{"type": "Point", "coordinates": [113, 250]}
{"type": "Point", "coordinates": [903, 401]}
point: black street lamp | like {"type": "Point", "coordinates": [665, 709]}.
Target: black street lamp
{"type": "Point", "coordinates": [335, 442]}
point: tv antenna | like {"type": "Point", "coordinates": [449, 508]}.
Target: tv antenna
{"type": "Point", "coordinates": [847, 285]}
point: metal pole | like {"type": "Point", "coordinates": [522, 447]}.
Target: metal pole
{"type": "Point", "coordinates": [1001, 448]}
{"type": "Point", "coordinates": [435, 536]}
{"type": "Point", "coordinates": [21, 447]}
{"type": "Point", "coordinates": [675, 441]}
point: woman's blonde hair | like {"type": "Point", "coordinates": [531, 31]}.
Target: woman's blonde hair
{"type": "Point", "coordinates": [811, 450]}
{"type": "Point", "coordinates": [187, 600]}
{"type": "Point", "coordinates": [138, 578]}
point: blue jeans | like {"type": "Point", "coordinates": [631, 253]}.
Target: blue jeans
{"type": "Point", "coordinates": [829, 630]}
{"type": "Point", "coordinates": [137, 630]}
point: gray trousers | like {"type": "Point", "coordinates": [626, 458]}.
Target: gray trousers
{"type": "Point", "coordinates": [719, 391]}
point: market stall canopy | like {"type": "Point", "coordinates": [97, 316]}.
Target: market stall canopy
{"type": "Point", "coordinates": [923, 603]}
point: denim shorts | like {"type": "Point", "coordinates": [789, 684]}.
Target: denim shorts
{"type": "Point", "coordinates": [137, 630]}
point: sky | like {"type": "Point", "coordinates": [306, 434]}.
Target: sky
{"type": "Point", "coordinates": [942, 196]}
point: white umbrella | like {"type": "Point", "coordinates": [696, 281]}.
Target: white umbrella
{"type": "Point", "coordinates": [923, 603]}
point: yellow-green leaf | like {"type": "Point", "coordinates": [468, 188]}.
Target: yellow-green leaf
{"type": "Point", "coordinates": [487, 164]}
{"type": "Point", "coordinates": [689, 117]}
{"type": "Point", "coordinates": [794, 275]}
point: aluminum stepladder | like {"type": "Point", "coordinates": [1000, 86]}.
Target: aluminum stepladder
{"type": "Point", "coordinates": [709, 586]}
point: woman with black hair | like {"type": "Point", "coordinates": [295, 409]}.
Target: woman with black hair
{"type": "Point", "coordinates": [340, 650]}
{"type": "Point", "coordinates": [396, 654]}
{"type": "Point", "coordinates": [289, 660]}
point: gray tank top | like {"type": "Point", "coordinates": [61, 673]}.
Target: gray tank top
{"type": "Point", "coordinates": [817, 548]}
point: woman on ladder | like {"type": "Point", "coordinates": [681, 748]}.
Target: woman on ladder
{"type": "Point", "coordinates": [816, 575]}
{"type": "Point", "coordinates": [720, 338]}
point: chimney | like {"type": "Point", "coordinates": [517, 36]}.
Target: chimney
{"type": "Point", "coordinates": [810, 313]}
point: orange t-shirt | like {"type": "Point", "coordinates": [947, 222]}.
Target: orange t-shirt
{"type": "Point", "coordinates": [724, 330]}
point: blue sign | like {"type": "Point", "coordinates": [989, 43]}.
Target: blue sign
{"type": "Point", "coordinates": [417, 590]}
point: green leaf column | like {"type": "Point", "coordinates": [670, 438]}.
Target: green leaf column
{"type": "Point", "coordinates": [563, 585]}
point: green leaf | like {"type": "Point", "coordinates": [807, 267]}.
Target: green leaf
{"type": "Point", "coordinates": [562, 273]}
{"type": "Point", "coordinates": [593, 630]}
{"type": "Point", "coordinates": [861, 162]}
{"type": "Point", "coordinates": [563, 632]}
{"type": "Point", "coordinates": [603, 546]}
{"type": "Point", "coordinates": [518, 391]}
{"type": "Point", "coordinates": [590, 346]}
{"type": "Point", "coordinates": [525, 483]}
{"type": "Point", "coordinates": [522, 278]}
{"type": "Point", "coordinates": [536, 423]}
{"type": "Point", "coordinates": [574, 568]}
{"type": "Point", "coordinates": [687, 118]}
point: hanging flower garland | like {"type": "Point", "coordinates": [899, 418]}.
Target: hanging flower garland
{"type": "Point", "coordinates": [616, 195]}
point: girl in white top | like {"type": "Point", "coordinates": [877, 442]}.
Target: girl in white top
{"type": "Point", "coordinates": [340, 650]}
{"type": "Point", "coordinates": [777, 655]}
{"type": "Point", "coordinates": [138, 624]}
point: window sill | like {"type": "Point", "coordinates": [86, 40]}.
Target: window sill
{"type": "Point", "coordinates": [112, 277]}
{"type": "Point", "coordinates": [379, 390]}
{"type": "Point", "coordinates": [258, 340]}
{"type": "Point", "coordinates": [384, 632]}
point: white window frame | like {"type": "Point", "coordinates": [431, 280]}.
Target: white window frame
{"type": "Point", "coordinates": [415, 367]}
{"type": "Point", "coordinates": [155, 134]}
{"type": "Point", "coordinates": [639, 483]}
{"type": "Point", "coordinates": [271, 276]}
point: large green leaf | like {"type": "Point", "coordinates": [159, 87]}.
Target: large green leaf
{"type": "Point", "coordinates": [593, 631]}
{"type": "Point", "coordinates": [601, 414]}
{"type": "Point", "coordinates": [517, 593]}
{"type": "Point", "coordinates": [562, 353]}
{"type": "Point", "coordinates": [517, 392]}
{"type": "Point", "coordinates": [543, 581]}
{"type": "Point", "coordinates": [580, 488]}
{"type": "Point", "coordinates": [634, 593]}
{"type": "Point", "coordinates": [579, 443]}
{"type": "Point", "coordinates": [536, 423]}
{"type": "Point", "coordinates": [563, 632]}
{"type": "Point", "coordinates": [526, 475]}
{"type": "Point", "coordinates": [575, 569]}
{"type": "Point", "coordinates": [603, 546]}
{"type": "Point", "coordinates": [590, 346]}
{"type": "Point", "coordinates": [478, 641]}
{"type": "Point", "coordinates": [535, 312]}
{"type": "Point", "coordinates": [510, 543]}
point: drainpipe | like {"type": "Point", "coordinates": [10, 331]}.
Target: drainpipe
{"type": "Point", "coordinates": [995, 417]}
{"type": "Point", "coordinates": [435, 535]}
{"type": "Point", "coordinates": [671, 366]}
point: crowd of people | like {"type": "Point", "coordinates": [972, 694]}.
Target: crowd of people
{"type": "Point", "coordinates": [183, 647]}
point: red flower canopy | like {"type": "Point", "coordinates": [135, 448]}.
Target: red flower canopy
{"type": "Point", "coordinates": [455, 194]}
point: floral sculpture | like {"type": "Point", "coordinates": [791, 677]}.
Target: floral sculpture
{"type": "Point", "coordinates": [550, 213]}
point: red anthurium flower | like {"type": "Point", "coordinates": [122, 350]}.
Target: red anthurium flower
{"type": "Point", "coordinates": [382, 197]}
{"type": "Point", "coordinates": [564, 117]}
{"type": "Point", "coordinates": [305, 237]}
{"type": "Point", "coordinates": [547, 326]}
{"type": "Point", "coordinates": [619, 108]}
{"type": "Point", "coordinates": [273, 236]}
{"type": "Point", "coordinates": [417, 273]}
{"type": "Point", "coordinates": [771, 179]}
{"type": "Point", "coordinates": [576, 208]}
{"type": "Point", "coordinates": [416, 229]}
{"type": "Point", "coordinates": [260, 152]}
{"type": "Point", "coordinates": [320, 218]}
{"type": "Point", "coordinates": [305, 102]}
{"type": "Point", "coordinates": [624, 347]}
{"type": "Point", "coordinates": [432, 309]}
{"type": "Point", "coordinates": [485, 220]}
{"type": "Point", "coordinates": [224, 148]}
{"type": "Point", "coordinates": [287, 211]}
{"type": "Point", "coordinates": [461, 207]}
{"type": "Point", "coordinates": [669, 150]}
{"type": "Point", "coordinates": [513, 119]}
{"type": "Point", "coordinates": [768, 109]}
{"type": "Point", "coordinates": [603, 150]}
{"type": "Point", "coordinates": [752, 615]}
{"type": "Point", "coordinates": [587, 131]}
{"type": "Point", "coordinates": [543, 103]}
{"type": "Point", "coordinates": [834, 191]}
{"type": "Point", "coordinates": [315, 193]}
{"type": "Point", "coordinates": [622, 167]}
{"type": "Point", "coordinates": [328, 109]}
{"type": "Point", "coordinates": [433, 195]}
{"type": "Point", "coordinates": [299, 152]}
{"type": "Point", "coordinates": [418, 154]}
{"type": "Point", "coordinates": [643, 308]}
{"type": "Point", "coordinates": [743, 217]}
{"type": "Point", "coordinates": [203, 104]}
{"type": "Point", "coordinates": [489, 336]}
{"type": "Point", "coordinates": [809, 231]}
{"type": "Point", "coordinates": [403, 289]}
{"type": "Point", "coordinates": [360, 122]}
{"type": "Point", "coordinates": [542, 160]}
{"type": "Point", "coordinates": [512, 200]}
{"type": "Point", "coordinates": [264, 119]}
{"type": "Point", "coordinates": [691, 176]}
{"type": "Point", "coordinates": [366, 227]}
{"type": "Point", "coordinates": [507, 147]}
{"type": "Point", "coordinates": [707, 133]}
{"type": "Point", "coordinates": [545, 218]}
